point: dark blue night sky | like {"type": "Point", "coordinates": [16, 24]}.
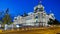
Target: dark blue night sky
{"type": "Point", "coordinates": [18, 7]}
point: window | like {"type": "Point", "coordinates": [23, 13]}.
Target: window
{"type": "Point", "coordinates": [36, 17]}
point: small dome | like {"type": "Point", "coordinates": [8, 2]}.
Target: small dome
{"type": "Point", "coordinates": [52, 16]}
{"type": "Point", "coordinates": [30, 13]}
{"type": "Point", "coordinates": [15, 17]}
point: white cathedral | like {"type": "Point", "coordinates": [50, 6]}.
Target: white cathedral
{"type": "Point", "coordinates": [36, 18]}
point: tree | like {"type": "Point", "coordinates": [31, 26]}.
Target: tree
{"type": "Point", "coordinates": [56, 22]}
{"type": "Point", "coordinates": [7, 18]}
{"type": "Point", "coordinates": [53, 22]}
{"type": "Point", "coordinates": [50, 21]}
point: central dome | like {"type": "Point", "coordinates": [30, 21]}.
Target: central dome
{"type": "Point", "coordinates": [39, 8]}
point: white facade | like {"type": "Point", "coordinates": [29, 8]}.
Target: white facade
{"type": "Point", "coordinates": [36, 18]}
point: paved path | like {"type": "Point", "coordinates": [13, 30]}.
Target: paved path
{"type": "Point", "coordinates": [55, 30]}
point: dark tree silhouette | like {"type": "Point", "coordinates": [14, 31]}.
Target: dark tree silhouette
{"type": "Point", "coordinates": [7, 18]}
{"type": "Point", "coordinates": [53, 22]}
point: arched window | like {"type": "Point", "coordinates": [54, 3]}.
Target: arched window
{"type": "Point", "coordinates": [36, 17]}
